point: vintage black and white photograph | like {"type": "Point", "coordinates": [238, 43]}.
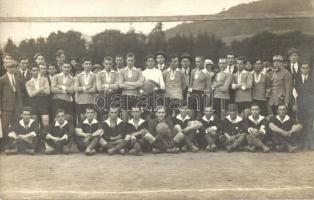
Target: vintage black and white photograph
{"type": "Point", "coordinates": [156, 99]}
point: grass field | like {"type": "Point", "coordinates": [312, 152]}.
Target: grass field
{"type": "Point", "coordinates": [165, 176]}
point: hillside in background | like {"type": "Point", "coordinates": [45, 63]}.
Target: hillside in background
{"type": "Point", "coordinates": [230, 30]}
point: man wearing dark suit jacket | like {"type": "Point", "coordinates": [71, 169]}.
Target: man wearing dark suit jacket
{"type": "Point", "coordinates": [24, 74]}
{"type": "Point", "coordinates": [10, 98]}
{"type": "Point", "coordinates": [232, 68]}
{"type": "Point", "coordinates": [294, 69]}
{"type": "Point", "coordinates": [304, 86]}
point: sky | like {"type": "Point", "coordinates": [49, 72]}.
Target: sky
{"type": "Point", "coordinates": [93, 8]}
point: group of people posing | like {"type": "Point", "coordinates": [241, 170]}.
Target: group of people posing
{"type": "Point", "coordinates": [185, 104]}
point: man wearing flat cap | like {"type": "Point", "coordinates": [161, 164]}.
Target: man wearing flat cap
{"type": "Point", "coordinates": [161, 60]}
{"type": "Point", "coordinates": [39, 58]}
{"type": "Point", "coordinates": [10, 98]}
{"type": "Point", "coordinates": [280, 84]}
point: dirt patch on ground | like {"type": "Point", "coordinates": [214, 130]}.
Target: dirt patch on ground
{"type": "Point", "coordinates": [182, 176]}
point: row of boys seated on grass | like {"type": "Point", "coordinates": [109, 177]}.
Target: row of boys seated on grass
{"type": "Point", "coordinates": [160, 135]}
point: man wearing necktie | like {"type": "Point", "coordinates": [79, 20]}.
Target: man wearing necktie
{"type": "Point", "coordinates": [24, 75]}
{"type": "Point", "coordinates": [231, 67]}
{"type": "Point", "coordinates": [10, 98]}
{"type": "Point", "coordinates": [294, 70]}
{"type": "Point", "coordinates": [305, 112]}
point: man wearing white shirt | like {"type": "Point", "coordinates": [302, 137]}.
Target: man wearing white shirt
{"type": "Point", "coordinates": [153, 85]}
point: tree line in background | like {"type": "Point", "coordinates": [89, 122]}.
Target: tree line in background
{"type": "Point", "coordinates": [113, 42]}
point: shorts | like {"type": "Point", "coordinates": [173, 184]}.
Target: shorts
{"type": "Point", "coordinates": [128, 101]}
{"type": "Point", "coordinates": [173, 105]}
{"type": "Point", "coordinates": [196, 100]}
{"type": "Point", "coordinates": [40, 105]}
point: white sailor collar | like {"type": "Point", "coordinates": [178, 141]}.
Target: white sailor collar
{"type": "Point", "coordinates": [141, 121]}
{"type": "Point", "coordinates": [94, 121]}
{"type": "Point", "coordinates": [284, 120]}
{"type": "Point", "coordinates": [107, 121]}
{"type": "Point", "coordinates": [260, 118]}
{"type": "Point", "coordinates": [24, 125]}
{"type": "Point", "coordinates": [61, 126]}
{"type": "Point", "coordinates": [210, 119]}
{"type": "Point", "coordinates": [179, 117]}
{"type": "Point", "coordinates": [238, 119]}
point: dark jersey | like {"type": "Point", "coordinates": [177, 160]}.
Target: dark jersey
{"type": "Point", "coordinates": [233, 128]}
{"type": "Point", "coordinates": [116, 132]}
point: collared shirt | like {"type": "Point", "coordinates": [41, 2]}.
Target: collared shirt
{"type": "Point", "coordinates": [230, 68]}
{"type": "Point", "coordinates": [24, 73]}
{"type": "Point", "coordinates": [294, 67]}
{"type": "Point", "coordinates": [107, 74]}
{"type": "Point", "coordinates": [155, 75]}
{"type": "Point", "coordinates": [186, 71]}
{"type": "Point", "coordinates": [161, 67]}
{"type": "Point", "coordinates": [12, 81]}
{"type": "Point", "coordinates": [65, 78]}
{"type": "Point", "coordinates": [141, 121]}
{"type": "Point", "coordinates": [304, 78]}
{"type": "Point", "coordinates": [26, 125]}
{"type": "Point", "coordinates": [36, 82]}
{"type": "Point", "coordinates": [208, 120]}
{"type": "Point", "coordinates": [86, 76]}
{"type": "Point", "coordinates": [173, 73]}
{"type": "Point", "coordinates": [61, 125]}
{"type": "Point", "coordinates": [130, 71]}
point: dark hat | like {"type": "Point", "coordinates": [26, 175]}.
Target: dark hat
{"type": "Point", "coordinates": [75, 58]}
{"type": "Point", "coordinates": [186, 55]}
{"type": "Point", "coordinates": [59, 52]}
{"type": "Point", "coordinates": [11, 63]}
{"type": "Point", "coordinates": [277, 58]}
{"type": "Point", "coordinates": [38, 54]}
{"type": "Point", "coordinates": [292, 50]}
{"type": "Point", "coordinates": [232, 107]}
{"type": "Point", "coordinates": [161, 53]}
{"type": "Point", "coordinates": [149, 56]}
